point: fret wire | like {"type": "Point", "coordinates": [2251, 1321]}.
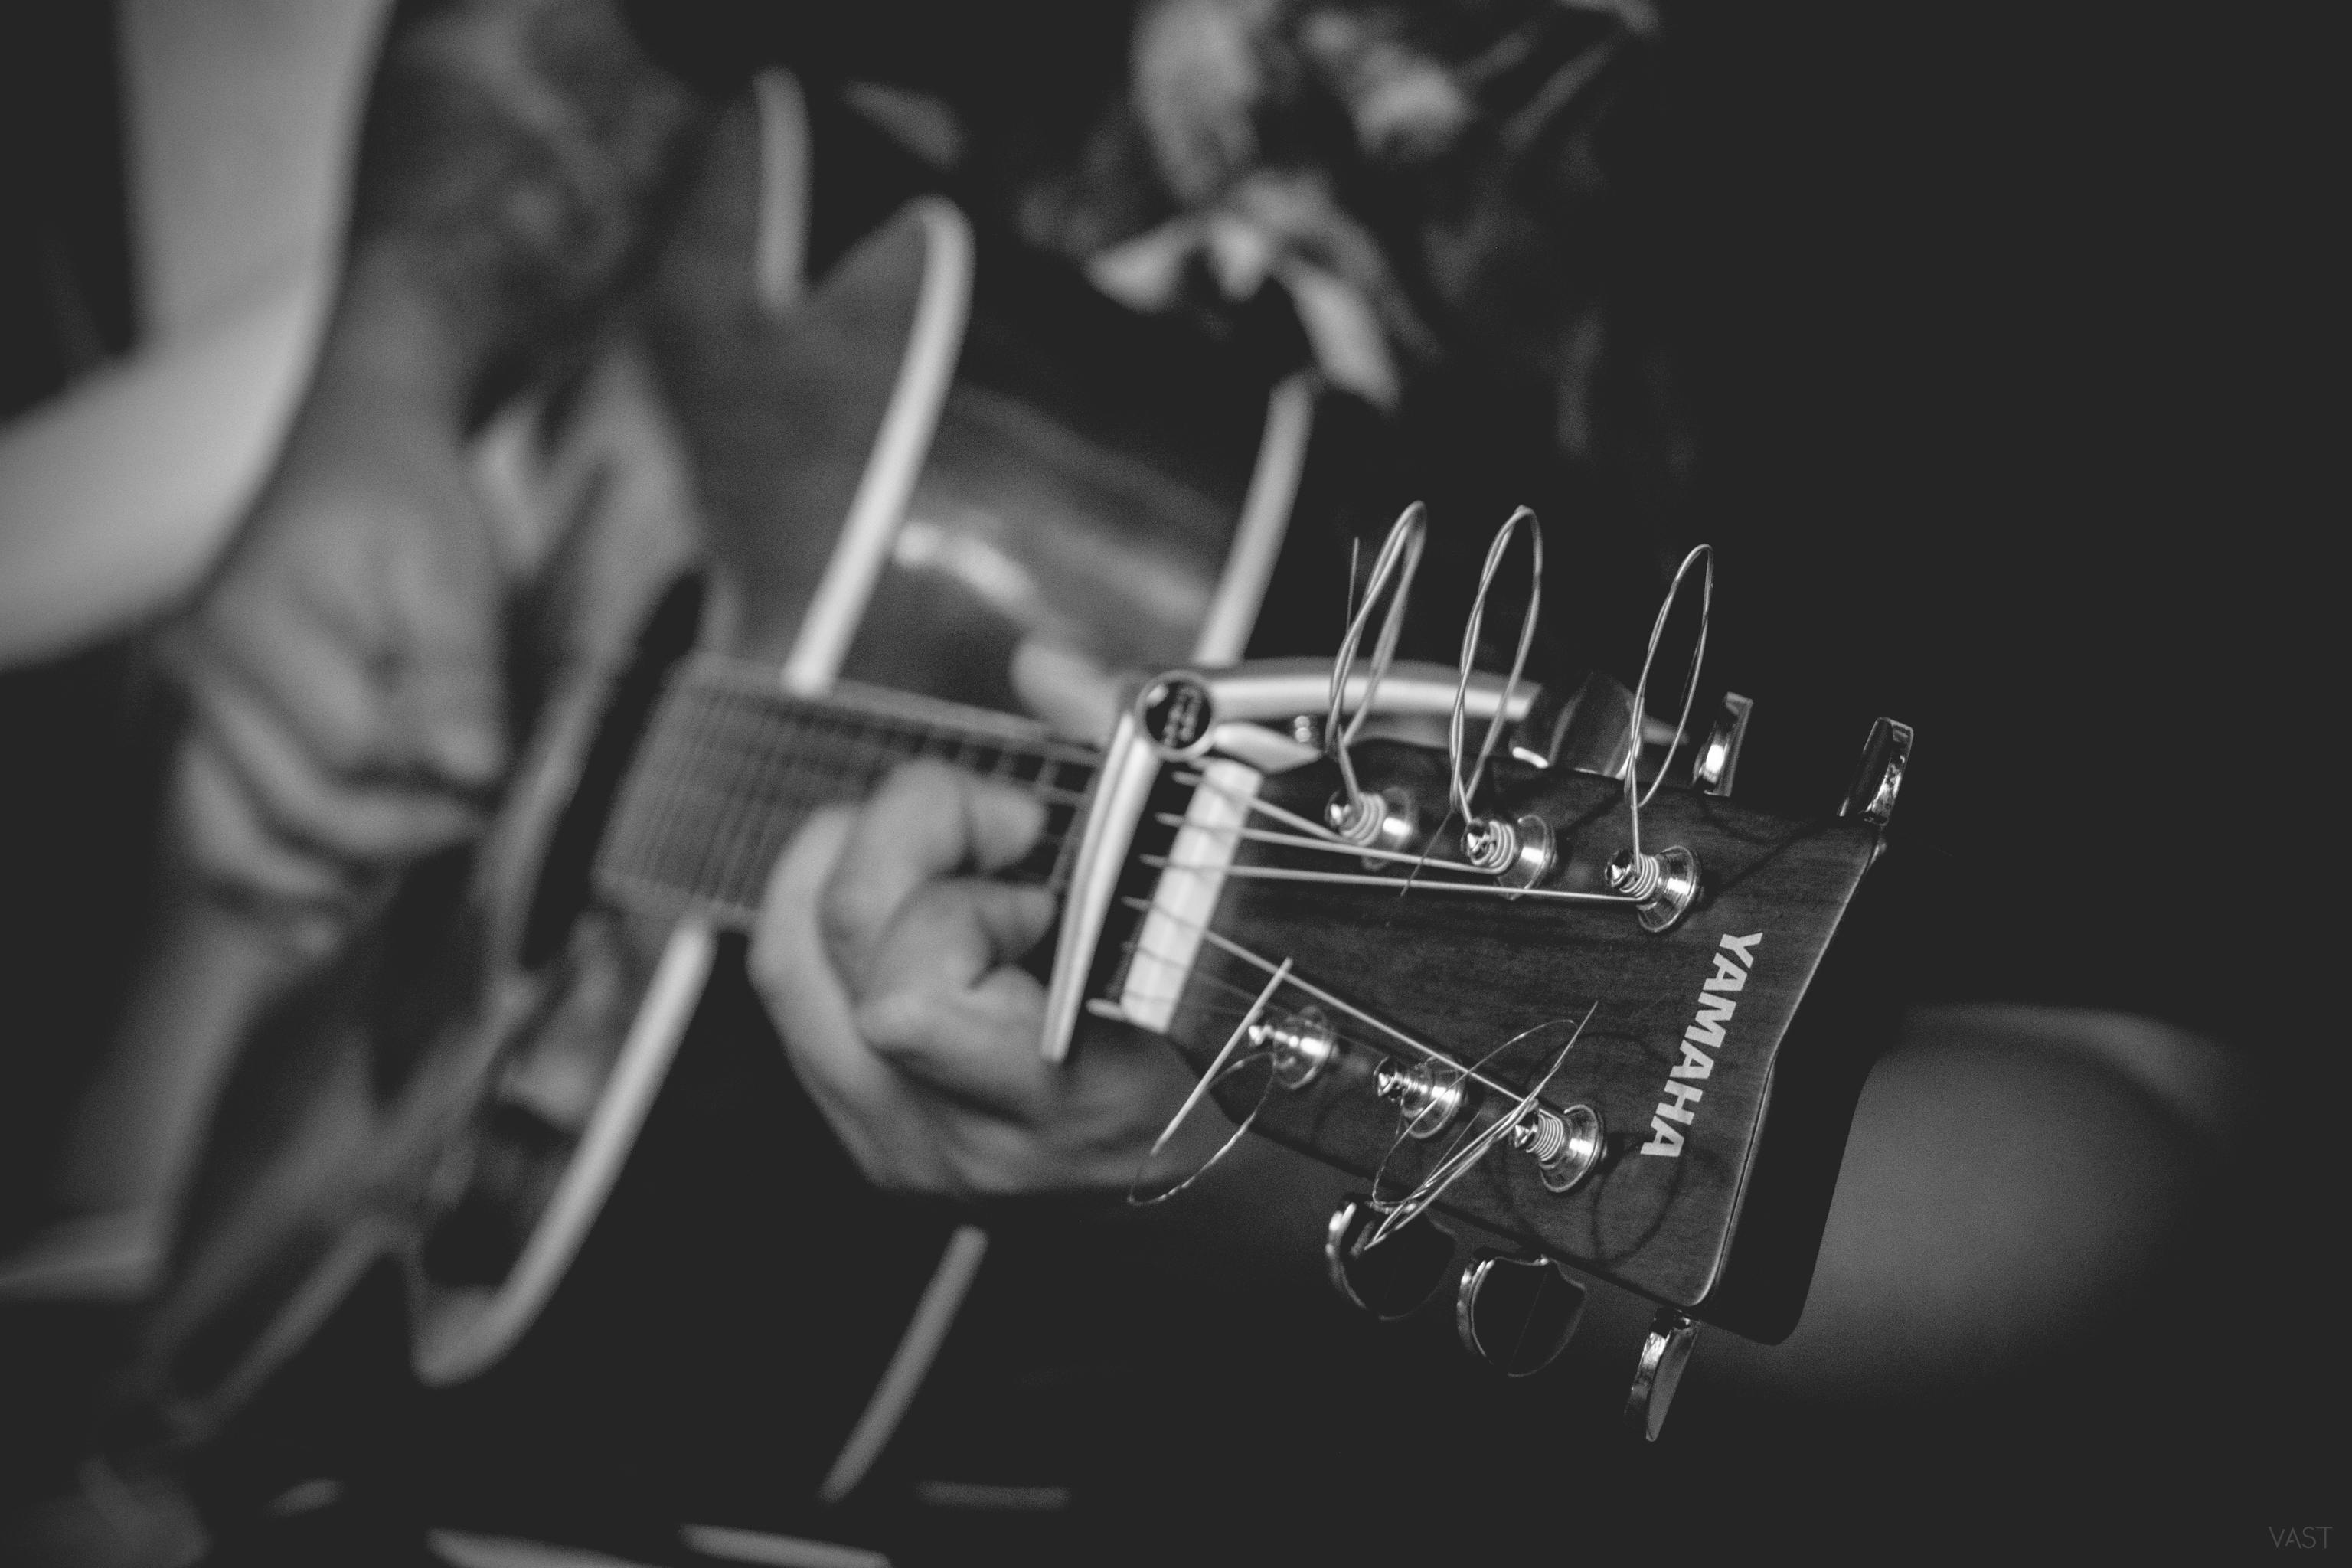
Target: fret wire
{"type": "Point", "coordinates": [732, 772]}
{"type": "Point", "coordinates": [761, 697]}
{"type": "Point", "coordinates": [747, 792]}
{"type": "Point", "coordinates": [736, 809]}
{"type": "Point", "coordinates": [861, 770]}
{"type": "Point", "coordinates": [772, 745]}
{"type": "Point", "coordinates": [653, 815]}
{"type": "Point", "coordinates": [649, 799]}
{"type": "Point", "coordinates": [700, 859]}
{"type": "Point", "coordinates": [663, 806]}
{"type": "Point", "coordinates": [743, 819]}
{"type": "Point", "coordinates": [748, 824]}
{"type": "Point", "coordinates": [784, 758]}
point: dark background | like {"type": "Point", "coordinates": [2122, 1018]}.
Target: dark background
{"type": "Point", "coordinates": [2010, 362]}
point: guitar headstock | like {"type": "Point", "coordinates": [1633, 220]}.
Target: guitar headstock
{"type": "Point", "coordinates": [1561, 1005]}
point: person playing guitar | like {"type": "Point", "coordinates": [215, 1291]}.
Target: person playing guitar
{"type": "Point", "coordinates": [345, 667]}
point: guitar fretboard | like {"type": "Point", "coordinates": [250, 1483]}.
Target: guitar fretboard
{"type": "Point", "coordinates": [731, 766]}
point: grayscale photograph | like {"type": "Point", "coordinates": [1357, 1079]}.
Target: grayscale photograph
{"type": "Point", "coordinates": [1164, 783]}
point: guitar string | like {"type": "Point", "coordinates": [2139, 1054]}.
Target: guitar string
{"type": "Point", "coordinates": [760, 754]}
{"type": "Point", "coordinates": [871, 745]}
{"type": "Point", "coordinates": [756, 693]}
{"type": "Point", "coordinates": [1215, 1012]}
{"type": "Point", "coordinates": [651, 809]}
{"type": "Point", "coordinates": [1214, 1074]}
{"type": "Point", "coordinates": [1346, 879]}
{"type": "Point", "coordinates": [1456, 1162]}
{"type": "Point", "coordinates": [1404, 1136]}
{"type": "Point", "coordinates": [727, 847]}
{"type": "Point", "coordinates": [1256, 1010]}
{"type": "Point", "coordinates": [726, 809]}
{"type": "Point", "coordinates": [1252, 802]}
{"type": "Point", "coordinates": [702, 745]}
{"type": "Point", "coordinates": [749, 775]}
{"type": "Point", "coordinates": [733, 854]}
{"type": "Point", "coordinates": [1228, 945]}
{"type": "Point", "coordinates": [1207, 1080]}
{"type": "Point", "coordinates": [875, 734]}
{"type": "Point", "coordinates": [1324, 846]}
{"type": "Point", "coordinates": [1322, 834]}
{"type": "Point", "coordinates": [1333, 844]}
{"type": "Point", "coordinates": [1459, 1164]}
{"type": "Point", "coordinates": [733, 775]}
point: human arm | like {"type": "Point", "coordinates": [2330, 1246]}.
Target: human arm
{"type": "Point", "coordinates": [343, 665]}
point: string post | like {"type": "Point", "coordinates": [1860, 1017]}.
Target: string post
{"type": "Point", "coordinates": [1427, 1096]}
{"type": "Point", "coordinates": [1385, 821]}
{"type": "Point", "coordinates": [1564, 1144]}
{"type": "Point", "coordinates": [1635, 875]}
{"type": "Point", "coordinates": [1496, 846]}
{"type": "Point", "coordinates": [1391, 579]}
{"type": "Point", "coordinates": [1701, 557]}
{"type": "Point", "coordinates": [1356, 816]}
{"type": "Point", "coordinates": [1299, 1045]}
{"type": "Point", "coordinates": [1660, 887]}
{"type": "Point", "coordinates": [1518, 854]}
{"type": "Point", "coordinates": [1466, 1153]}
{"type": "Point", "coordinates": [1491, 846]}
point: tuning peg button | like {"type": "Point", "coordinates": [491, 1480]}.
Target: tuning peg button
{"type": "Point", "coordinates": [1517, 1314]}
{"type": "Point", "coordinates": [1719, 760]}
{"type": "Point", "coordinates": [1664, 1354]}
{"type": "Point", "coordinates": [1391, 1280]}
{"type": "Point", "coordinates": [1886, 757]}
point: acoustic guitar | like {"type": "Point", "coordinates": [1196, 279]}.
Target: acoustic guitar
{"type": "Point", "coordinates": [996, 453]}
{"type": "Point", "coordinates": [1507, 955]}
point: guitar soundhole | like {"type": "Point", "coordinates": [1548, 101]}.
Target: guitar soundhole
{"type": "Point", "coordinates": [564, 889]}
{"type": "Point", "coordinates": [518, 1163]}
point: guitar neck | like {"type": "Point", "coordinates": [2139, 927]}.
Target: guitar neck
{"type": "Point", "coordinates": [731, 765]}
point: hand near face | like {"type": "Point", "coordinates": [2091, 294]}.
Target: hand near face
{"type": "Point", "coordinates": [889, 961]}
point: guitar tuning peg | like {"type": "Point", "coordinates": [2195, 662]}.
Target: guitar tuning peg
{"type": "Point", "coordinates": [1664, 1354]}
{"type": "Point", "coordinates": [1719, 758]}
{"type": "Point", "coordinates": [1359, 816]}
{"type": "Point", "coordinates": [1564, 1144]}
{"type": "Point", "coordinates": [1879, 780]}
{"type": "Point", "coordinates": [1391, 1280]}
{"type": "Point", "coordinates": [1517, 1314]}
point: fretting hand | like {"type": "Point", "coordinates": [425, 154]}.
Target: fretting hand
{"type": "Point", "coordinates": [888, 960]}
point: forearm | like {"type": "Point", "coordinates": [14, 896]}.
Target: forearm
{"type": "Point", "coordinates": [513, 163]}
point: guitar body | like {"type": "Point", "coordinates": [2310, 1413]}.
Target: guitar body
{"type": "Point", "coordinates": [874, 499]}
{"type": "Point", "coordinates": [894, 482]}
